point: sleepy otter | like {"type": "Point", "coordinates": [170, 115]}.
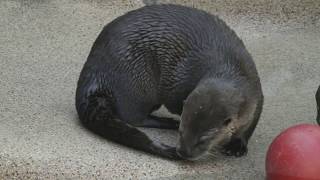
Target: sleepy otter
{"type": "Point", "coordinates": [183, 58]}
{"type": "Point", "coordinates": [318, 104]}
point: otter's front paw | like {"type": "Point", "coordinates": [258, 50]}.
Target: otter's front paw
{"type": "Point", "coordinates": [172, 153]}
{"type": "Point", "coordinates": [236, 147]}
{"type": "Point", "coordinates": [166, 151]}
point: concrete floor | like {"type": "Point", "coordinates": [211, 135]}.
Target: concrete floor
{"type": "Point", "coordinates": [43, 45]}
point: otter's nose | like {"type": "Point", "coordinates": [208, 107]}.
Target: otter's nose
{"type": "Point", "coordinates": [184, 152]}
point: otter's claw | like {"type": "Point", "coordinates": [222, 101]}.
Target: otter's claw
{"type": "Point", "coordinates": [167, 151]}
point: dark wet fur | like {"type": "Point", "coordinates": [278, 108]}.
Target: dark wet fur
{"type": "Point", "coordinates": [151, 56]}
{"type": "Point", "coordinates": [318, 105]}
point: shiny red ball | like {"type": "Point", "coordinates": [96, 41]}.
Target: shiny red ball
{"type": "Point", "coordinates": [295, 154]}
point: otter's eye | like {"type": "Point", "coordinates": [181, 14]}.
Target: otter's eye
{"type": "Point", "coordinates": [227, 121]}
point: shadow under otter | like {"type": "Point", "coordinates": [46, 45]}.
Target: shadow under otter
{"type": "Point", "coordinates": [183, 58]}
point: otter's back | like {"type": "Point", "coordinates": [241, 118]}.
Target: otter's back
{"type": "Point", "coordinates": [170, 44]}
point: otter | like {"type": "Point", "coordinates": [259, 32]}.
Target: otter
{"type": "Point", "coordinates": [318, 104]}
{"type": "Point", "coordinates": [183, 58]}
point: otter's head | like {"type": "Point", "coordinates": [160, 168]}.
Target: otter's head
{"type": "Point", "coordinates": [208, 119]}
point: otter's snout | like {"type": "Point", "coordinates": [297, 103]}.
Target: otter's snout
{"type": "Point", "coordinates": [184, 152]}
{"type": "Point", "coordinates": [186, 149]}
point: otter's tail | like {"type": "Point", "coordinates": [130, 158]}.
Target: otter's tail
{"type": "Point", "coordinates": [96, 114]}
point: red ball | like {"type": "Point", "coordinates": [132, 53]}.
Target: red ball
{"type": "Point", "coordinates": [295, 154]}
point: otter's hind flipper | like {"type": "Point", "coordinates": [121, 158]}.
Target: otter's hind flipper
{"type": "Point", "coordinates": [96, 114]}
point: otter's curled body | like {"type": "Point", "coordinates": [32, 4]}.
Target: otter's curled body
{"type": "Point", "coordinates": [152, 56]}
